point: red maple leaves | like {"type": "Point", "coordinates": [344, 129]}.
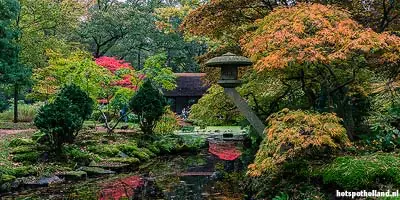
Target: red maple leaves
{"type": "Point", "coordinates": [114, 65]}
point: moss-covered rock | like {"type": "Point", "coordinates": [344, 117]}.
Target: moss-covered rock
{"type": "Point", "coordinates": [28, 157]}
{"type": "Point", "coordinates": [22, 149]}
{"type": "Point", "coordinates": [21, 142]}
{"type": "Point", "coordinates": [73, 175]}
{"type": "Point", "coordinates": [104, 150]}
{"type": "Point", "coordinates": [23, 171]}
{"type": "Point", "coordinates": [148, 152]}
{"type": "Point", "coordinates": [130, 161]}
{"type": "Point", "coordinates": [132, 150]}
{"type": "Point", "coordinates": [78, 155]}
{"type": "Point", "coordinates": [95, 171]}
{"type": "Point", "coordinates": [153, 148]}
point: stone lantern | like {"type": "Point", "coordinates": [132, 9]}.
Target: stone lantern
{"type": "Point", "coordinates": [229, 64]}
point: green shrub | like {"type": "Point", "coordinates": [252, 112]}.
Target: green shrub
{"type": "Point", "coordinates": [215, 109]}
{"type": "Point", "coordinates": [62, 119]}
{"type": "Point", "coordinates": [149, 105]}
{"type": "Point", "coordinates": [360, 172]}
{"type": "Point", "coordinates": [167, 124]}
{"type": "Point", "coordinates": [78, 98]}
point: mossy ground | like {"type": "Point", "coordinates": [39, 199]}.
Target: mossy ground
{"type": "Point", "coordinates": [20, 156]}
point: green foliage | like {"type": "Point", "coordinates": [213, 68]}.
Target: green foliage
{"type": "Point", "coordinates": [167, 124]}
{"type": "Point", "coordinates": [282, 196]}
{"type": "Point", "coordinates": [76, 67]}
{"type": "Point", "coordinates": [384, 122]}
{"type": "Point", "coordinates": [155, 69]}
{"type": "Point", "coordinates": [121, 98]}
{"type": "Point", "coordinates": [149, 105]}
{"type": "Point", "coordinates": [62, 119]}
{"type": "Point", "coordinates": [4, 104]}
{"type": "Point", "coordinates": [296, 134]}
{"type": "Point", "coordinates": [78, 98]}
{"type": "Point", "coordinates": [215, 109]}
{"type": "Point", "coordinates": [361, 172]}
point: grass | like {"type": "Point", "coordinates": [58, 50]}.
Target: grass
{"type": "Point", "coordinates": [26, 113]}
{"type": "Point", "coordinates": [16, 126]}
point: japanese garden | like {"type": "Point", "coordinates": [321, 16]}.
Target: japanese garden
{"type": "Point", "coordinates": [199, 99]}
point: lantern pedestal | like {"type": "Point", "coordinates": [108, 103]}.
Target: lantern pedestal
{"type": "Point", "coordinates": [229, 64]}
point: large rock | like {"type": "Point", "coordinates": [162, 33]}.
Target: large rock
{"type": "Point", "coordinates": [73, 175]}
{"type": "Point", "coordinates": [40, 182]}
{"type": "Point", "coordinates": [114, 166]}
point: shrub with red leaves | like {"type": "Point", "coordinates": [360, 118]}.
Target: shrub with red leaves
{"type": "Point", "coordinates": [113, 64]}
{"type": "Point", "coordinates": [122, 188]}
{"type": "Point", "coordinates": [224, 150]}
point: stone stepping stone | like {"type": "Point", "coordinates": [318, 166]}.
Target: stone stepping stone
{"type": "Point", "coordinates": [40, 182]}
{"type": "Point", "coordinates": [93, 171]}
{"type": "Point", "coordinates": [73, 175]}
{"type": "Point", "coordinates": [114, 166]}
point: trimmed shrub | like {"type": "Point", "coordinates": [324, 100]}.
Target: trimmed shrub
{"type": "Point", "coordinates": [78, 98]}
{"type": "Point", "coordinates": [62, 119]}
{"type": "Point", "coordinates": [361, 172]}
{"type": "Point", "coordinates": [149, 105]}
{"type": "Point", "coordinates": [167, 124]}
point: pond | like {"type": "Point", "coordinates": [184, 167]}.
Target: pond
{"type": "Point", "coordinates": [206, 175]}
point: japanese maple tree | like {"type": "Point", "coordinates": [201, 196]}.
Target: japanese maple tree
{"type": "Point", "coordinates": [322, 51]}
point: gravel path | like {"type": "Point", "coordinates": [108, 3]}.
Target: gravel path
{"type": "Point", "coordinates": [4, 132]}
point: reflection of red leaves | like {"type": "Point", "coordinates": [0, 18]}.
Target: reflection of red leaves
{"type": "Point", "coordinates": [120, 188]}
{"type": "Point", "coordinates": [225, 150]}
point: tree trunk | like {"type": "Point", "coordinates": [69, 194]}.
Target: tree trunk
{"type": "Point", "coordinates": [15, 103]}
{"type": "Point", "coordinates": [345, 111]}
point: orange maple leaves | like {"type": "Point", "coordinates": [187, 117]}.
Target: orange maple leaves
{"type": "Point", "coordinates": [314, 33]}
